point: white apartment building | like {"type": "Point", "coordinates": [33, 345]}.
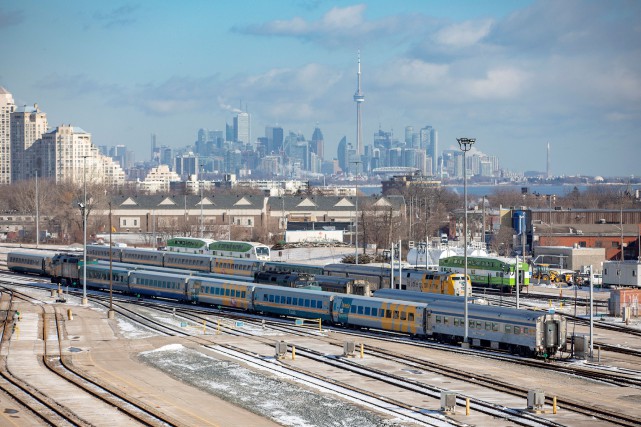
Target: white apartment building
{"type": "Point", "coordinates": [67, 154]}
{"type": "Point", "coordinates": [7, 106]}
{"type": "Point", "coordinates": [28, 124]}
{"type": "Point", "coordinates": [158, 179]}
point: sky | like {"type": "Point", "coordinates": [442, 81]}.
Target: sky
{"type": "Point", "coordinates": [516, 75]}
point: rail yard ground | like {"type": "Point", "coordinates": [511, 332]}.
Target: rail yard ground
{"type": "Point", "coordinates": [200, 382]}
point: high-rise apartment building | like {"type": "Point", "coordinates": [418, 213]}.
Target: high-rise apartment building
{"type": "Point", "coordinates": [28, 124]}
{"type": "Point", "coordinates": [66, 154]}
{"type": "Point", "coordinates": [7, 106]}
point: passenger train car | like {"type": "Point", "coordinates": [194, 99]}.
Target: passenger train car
{"type": "Point", "coordinates": [30, 262]}
{"type": "Point", "coordinates": [526, 333]}
{"type": "Point", "coordinates": [493, 272]}
{"type": "Point", "coordinates": [223, 248]}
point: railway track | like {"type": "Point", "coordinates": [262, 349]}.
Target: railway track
{"type": "Point", "coordinates": [310, 353]}
{"type": "Point", "coordinates": [136, 411]}
{"type": "Point", "coordinates": [519, 417]}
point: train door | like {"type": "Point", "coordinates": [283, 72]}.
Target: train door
{"type": "Point", "coordinates": [341, 309]}
{"type": "Point", "coordinates": [551, 334]}
{"type": "Point", "coordinates": [193, 290]}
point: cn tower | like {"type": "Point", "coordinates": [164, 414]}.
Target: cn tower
{"type": "Point", "coordinates": [359, 98]}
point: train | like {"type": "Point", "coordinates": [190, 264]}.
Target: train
{"type": "Point", "coordinates": [348, 278]}
{"type": "Point", "coordinates": [492, 272]}
{"type": "Point", "coordinates": [223, 248]}
{"type": "Point", "coordinates": [447, 283]}
{"type": "Point", "coordinates": [523, 332]}
{"type": "Point", "coordinates": [540, 334]}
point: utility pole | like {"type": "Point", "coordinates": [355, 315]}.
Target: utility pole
{"type": "Point", "coordinates": [356, 209]}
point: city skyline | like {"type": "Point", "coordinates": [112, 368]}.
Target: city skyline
{"type": "Point", "coordinates": [510, 74]}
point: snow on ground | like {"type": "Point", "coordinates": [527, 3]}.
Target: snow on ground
{"type": "Point", "coordinates": [281, 401]}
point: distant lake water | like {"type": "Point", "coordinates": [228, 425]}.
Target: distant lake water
{"type": "Point", "coordinates": [480, 190]}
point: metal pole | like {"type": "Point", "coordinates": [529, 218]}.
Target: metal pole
{"type": "Point", "coordinates": [591, 318]}
{"type": "Point", "coordinates": [202, 222]}
{"type": "Point", "coordinates": [391, 263]}
{"type": "Point", "coordinates": [465, 145]}
{"type": "Point", "coordinates": [400, 267]}
{"type": "Point", "coordinates": [516, 273]}
{"type": "Point", "coordinates": [110, 313]}
{"type": "Point", "coordinates": [37, 214]}
{"type": "Point", "coordinates": [484, 241]}
{"type": "Point", "coordinates": [84, 229]}
{"type": "Point", "coordinates": [356, 211]}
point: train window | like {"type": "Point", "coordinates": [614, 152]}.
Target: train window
{"type": "Point", "coordinates": [359, 309]}
{"type": "Point", "coordinates": [488, 326]}
{"type": "Point", "coordinates": [508, 329]}
{"type": "Point", "coordinates": [525, 331]}
{"type": "Point", "coordinates": [271, 298]}
{"type": "Point", "coordinates": [313, 303]}
{"type": "Point", "coordinates": [368, 311]}
{"type": "Point", "coordinates": [479, 325]}
{"type": "Point", "coordinates": [438, 319]}
{"type": "Point", "coordinates": [517, 330]}
{"type": "Point", "coordinates": [282, 299]}
{"type": "Point", "coordinates": [388, 314]}
{"type": "Point", "coordinates": [396, 314]}
{"type": "Point", "coordinates": [403, 315]}
{"type": "Point", "coordinates": [446, 320]}
{"type": "Point", "coordinates": [265, 298]}
{"type": "Point", "coordinates": [289, 300]}
{"type": "Point", "coordinates": [410, 317]}
{"type": "Point", "coordinates": [374, 312]}
{"type": "Point", "coordinates": [226, 292]}
{"type": "Point", "coordinates": [352, 309]}
{"type": "Point", "coordinates": [306, 303]}
{"type": "Point", "coordinates": [495, 327]}
{"type": "Point", "coordinates": [295, 301]}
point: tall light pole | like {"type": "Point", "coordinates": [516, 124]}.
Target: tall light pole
{"type": "Point", "coordinates": [356, 209]}
{"type": "Point", "coordinates": [84, 231]}
{"type": "Point", "coordinates": [202, 223]}
{"type": "Point", "coordinates": [110, 313]}
{"type": "Point", "coordinates": [37, 213]}
{"type": "Point", "coordinates": [465, 144]}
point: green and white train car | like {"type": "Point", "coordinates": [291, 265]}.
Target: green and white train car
{"type": "Point", "coordinates": [491, 272]}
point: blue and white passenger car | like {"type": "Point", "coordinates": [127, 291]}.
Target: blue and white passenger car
{"type": "Point", "coordinates": [159, 285]}
{"type": "Point", "coordinates": [293, 302]}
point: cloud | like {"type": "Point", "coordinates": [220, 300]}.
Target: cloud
{"type": "Point", "coordinates": [499, 83]}
{"type": "Point", "coordinates": [77, 85]}
{"type": "Point", "coordinates": [118, 17]}
{"type": "Point", "coordinates": [339, 27]}
{"type": "Point", "coordinates": [465, 34]}
{"type": "Point", "coordinates": [176, 95]}
{"type": "Point", "coordinates": [9, 18]}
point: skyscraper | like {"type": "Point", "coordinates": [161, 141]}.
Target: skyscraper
{"type": "Point", "coordinates": [433, 150]}
{"type": "Point", "coordinates": [7, 106]}
{"type": "Point", "coordinates": [359, 98]}
{"type": "Point", "coordinates": [28, 124]}
{"type": "Point", "coordinates": [275, 137]}
{"type": "Point", "coordinates": [317, 145]}
{"type": "Point", "coordinates": [241, 128]}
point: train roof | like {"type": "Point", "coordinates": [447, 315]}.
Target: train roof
{"type": "Point", "coordinates": [33, 254]}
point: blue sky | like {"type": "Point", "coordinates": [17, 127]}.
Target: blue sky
{"type": "Point", "coordinates": [513, 74]}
